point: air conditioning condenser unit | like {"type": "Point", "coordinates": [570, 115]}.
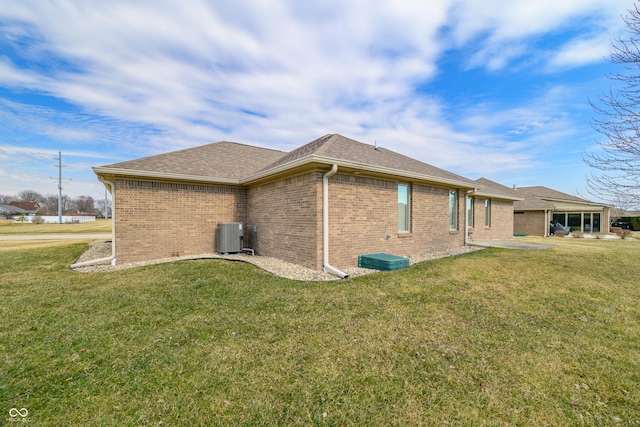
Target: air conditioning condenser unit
{"type": "Point", "coordinates": [229, 237]}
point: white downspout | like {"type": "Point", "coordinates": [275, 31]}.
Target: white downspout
{"type": "Point", "coordinates": [547, 222]}
{"type": "Point", "coordinates": [466, 216]}
{"type": "Point", "coordinates": [111, 258]}
{"type": "Point", "coordinates": [325, 225]}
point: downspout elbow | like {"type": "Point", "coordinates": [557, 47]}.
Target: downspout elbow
{"type": "Point", "coordinates": [332, 270]}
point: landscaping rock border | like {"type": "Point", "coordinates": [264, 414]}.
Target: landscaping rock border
{"type": "Point", "coordinates": [275, 266]}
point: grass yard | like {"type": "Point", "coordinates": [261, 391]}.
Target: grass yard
{"type": "Point", "coordinates": [97, 226]}
{"type": "Point", "coordinates": [496, 337]}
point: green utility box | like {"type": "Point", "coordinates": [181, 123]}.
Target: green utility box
{"type": "Point", "coordinates": [382, 261]}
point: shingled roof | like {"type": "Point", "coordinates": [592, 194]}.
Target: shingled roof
{"type": "Point", "coordinates": [237, 163]}
{"type": "Point", "coordinates": [335, 148]}
{"type": "Point", "coordinates": [492, 189]}
{"type": "Point", "coordinates": [13, 210]}
{"type": "Point", "coordinates": [30, 207]}
{"type": "Point", "coordinates": [541, 198]}
{"type": "Point", "coordinates": [220, 161]}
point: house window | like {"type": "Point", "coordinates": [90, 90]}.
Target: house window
{"type": "Point", "coordinates": [574, 221]}
{"type": "Point", "coordinates": [596, 223]}
{"type": "Point", "coordinates": [403, 208]}
{"type": "Point", "coordinates": [453, 210]}
{"type": "Point", "coordinates": [560, 217]}
{"type": "Point", "coordinates": [487, 213]}
{"type": "Point", "coordinates": [469, 212]}
{"type": "Point", "coordinates": [584, 221]}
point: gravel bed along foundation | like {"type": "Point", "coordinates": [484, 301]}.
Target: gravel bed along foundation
{"type": "Point", "coordinates": [275, 266]}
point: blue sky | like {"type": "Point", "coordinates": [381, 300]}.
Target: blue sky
{"type": "Point", "coordinates": [483, 88]}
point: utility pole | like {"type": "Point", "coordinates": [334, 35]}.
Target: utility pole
{"type": "Point", "coordinates": [59, 187]}
{"type": "Point", "coordinates": [59, 166]}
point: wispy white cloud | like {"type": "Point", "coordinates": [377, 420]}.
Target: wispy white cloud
{"type": "Point", "coordinates": [580, 52]}
{"type": "Point", "coordinates": [150, 76]}
{"type": "Point", "coordinates": [505, 30]}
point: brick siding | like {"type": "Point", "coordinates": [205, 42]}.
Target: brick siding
{"type": "Point", "coordinates": [288, 217]}
{"type": "Point", "coordinates": [529, 222]}
{"type": "Point", "coordinates": [501, 220]}
{"type": "Point", "coordinates": [155, 219]}
{"type": "Point", "coordinates": [364, 219]}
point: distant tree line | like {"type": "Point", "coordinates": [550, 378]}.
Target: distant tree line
{"type": "Point", "coordinates": [49, 203]}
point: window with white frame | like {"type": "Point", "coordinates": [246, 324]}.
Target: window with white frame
{"type": "Point", "coordinates": [404, 218]}
{"type": "Point", "coordinates": [469, 212]}
{"type": "Point", "coordinates": [487, 213]}
{"type": "Point", "coordinates": [453, 210]}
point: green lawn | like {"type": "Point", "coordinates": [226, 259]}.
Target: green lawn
{"type": "Point", "coordinates": [97, 226]}
{"type": "Point", "coordinates": [496, 337]}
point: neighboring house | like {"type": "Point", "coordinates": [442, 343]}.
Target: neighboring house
{"type": "Point", "coordinates": [10, 211]}
{"type": "Point", "coordinates": [490, 210]}
{"type": "Point", "coordinates": [20, 210]}
{"type": "Point", "coordinates": [541, 205]}
{"type": "Point", "coordinates": [319, 206]}
{"type": "Point", "coordinates": [30, 208]}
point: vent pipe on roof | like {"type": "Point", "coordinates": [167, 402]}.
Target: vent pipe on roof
{"type": "Point", "coordinates": [325, 225]}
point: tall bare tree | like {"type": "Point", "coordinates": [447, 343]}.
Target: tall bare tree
{"type": "Point", "coordinates": [84, 204]}
{"type": "Point", "coordinates": [29, 196]}
{"type": "Point", "coordinates": [5, 199]}
{"type": "Point", "coordinates": [617, 164]}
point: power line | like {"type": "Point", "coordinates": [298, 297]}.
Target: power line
{"type": "Point", "coordinates": [24, 150]}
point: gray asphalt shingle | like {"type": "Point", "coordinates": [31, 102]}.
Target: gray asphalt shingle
{"type": "Point", "coordinates": [230, 160]}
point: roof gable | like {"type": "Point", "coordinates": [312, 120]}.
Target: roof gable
{"type": "Point", "coordinates": [335, 148]}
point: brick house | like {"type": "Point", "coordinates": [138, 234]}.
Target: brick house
{"type": "Point", "coordinates": [25, 211]}
{"type": "Point", "coordinates": [9, 211]}
{"type": "Point", "coordinates": [319, 206]}
{"type": "Point", "coordinates": [541, 205]}
{"type": "Point", "coordinates": [30, 208]}
{"type": "Point", "coordinates": [490, 211]}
